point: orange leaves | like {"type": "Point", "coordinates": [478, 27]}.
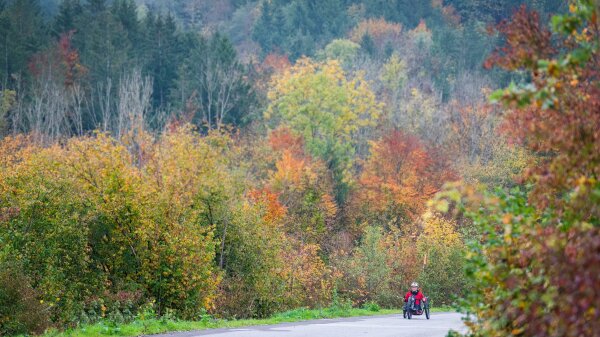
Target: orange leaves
{"type": "Point", "coordinates": [275, 63]}
{"type": "Point", "coordinates": [402, 172]}
{"type": "Point", "coordinates": [274, 210]}
{"type": "Point", "coordinates": [305, 189]}
{"type": "Point", "coordinates": [381, 31]}
{"type": "Point", "coordinates": [284, 139]}
{"type": "Point", "coordinates": [308, 280]}
{"type": "Point", "coordinates": [329, 206]}
{"type": "Point", "coordinates": [291, 171]}
{"type": "Point", "coordinates": [14, 149]}
{"type": "Point", "coordinates": [292, 167]}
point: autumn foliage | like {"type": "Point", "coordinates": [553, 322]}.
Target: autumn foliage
{"type": "Point", "coordinates": [381, 31]}
{"type": "Point", "coordinates": [399, 177]}
{"type": "Point", "coordinates": [536, 265]}
{"type": "Point", "coordinates": [281, 155]}
{"type": "Point", "coordinates": [187, 223]}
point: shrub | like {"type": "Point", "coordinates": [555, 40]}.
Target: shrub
{"type": "Point", "coordinates": [21, 310]}
{"type": "Point", "coordinates": [372, 306]}
{"type": "Point", "coordinates": [441, 249]}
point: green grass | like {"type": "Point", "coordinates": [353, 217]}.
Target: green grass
{"type": "Point", "coordinates": [153, 326]}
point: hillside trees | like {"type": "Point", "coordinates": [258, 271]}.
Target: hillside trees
{"type": "Point", "coordinates": [304, 186]}
{"type": "Point", "coordinates": [398, 178]}
{"type": "Point", "coordinates": [328, 111]}
{"type": "Point", "coordinates": [214, 83]}
{"type": "Point", "coordinates": [120, 227]}
{"type": "Point", "coordinates": [23, 34]}
{"type": "Point", "coordinates": [304, 181]}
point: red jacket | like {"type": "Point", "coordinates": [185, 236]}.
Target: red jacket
{"type": "Point", "coordinates": [418, 297]}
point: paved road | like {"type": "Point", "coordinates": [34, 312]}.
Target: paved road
{"type": "Point", "coordinates": [377, 326]}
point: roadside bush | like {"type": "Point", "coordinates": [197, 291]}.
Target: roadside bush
{"type": "Point", "coordinates": [253, 284]}
{"type": "Point", "coordinates": [536, 279]}
{"type": "Point", "coordinates": [48, 234]}
{"type": "Point", "coordinates": [369, 274]}
{"type": "Point", "coordinates": [121, 307]}
{"type": "Point", "coordinates": [372, 306]}
{"type": "Point", "coordinates": [441, 249]}
{"type": "Point", "coordinates": [95, 230]}
{"type": "Point", "coordinates": [21, 310]}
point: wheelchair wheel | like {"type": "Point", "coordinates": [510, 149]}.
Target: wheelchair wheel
{"type": "Point", "coordinates": [427, 313]}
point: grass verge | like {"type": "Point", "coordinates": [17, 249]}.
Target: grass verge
{"type": "Point", "coordinates": [154, 326]}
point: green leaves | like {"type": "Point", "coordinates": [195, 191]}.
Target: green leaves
{"type": "Point", "coordinates": [93, 223]}
{"type": "Point", "coordinates": [319, 103]}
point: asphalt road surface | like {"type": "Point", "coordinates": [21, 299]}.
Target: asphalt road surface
{"type": "Point", "coordinates": [376, 326]}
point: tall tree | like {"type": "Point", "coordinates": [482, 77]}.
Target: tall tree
{"type": "Point", "coordinates": [399, 177]}
{"type": "Point", "coordinates": [22, 33]}
{"type": "Point", "coordinates": [162, 50]}
{"type": "Point", "coordinates": [213, 83]}
{"type": "Point", "coordinates": [69, 13]}
{"type": "Point", "coordinates": [103, 42]}
{"type": "Point", "coordinates": [328, 110]}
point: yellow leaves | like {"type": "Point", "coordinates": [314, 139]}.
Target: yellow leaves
{"type": "Point", "coordinates": [379, 30]}
{"type": "Point", "coordinates": [291, 171]}
{"type": "Point", "coordinates": [153, 205]}
{"type": "Point", "coordinates": [572, 7]}
{"type": "Point", "coordinates": [309, 280]}
{"type": "Point", "coordinates": [394, 73]}
{"type": "Point", "coordinates": [15, 149]}
{"type": "Point", "coordinates": [314, 95]}
{"type": "Point", "coordinates": [329, 205]}
{"type": "Point", "coordinates": [590, 312]}
{"type": "Point", "coordinates": [439, 232]}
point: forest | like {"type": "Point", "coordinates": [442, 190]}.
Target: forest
{"type": "Point", "coordinates": [240, 158]}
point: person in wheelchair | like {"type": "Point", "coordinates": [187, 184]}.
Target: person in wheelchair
{"type": "Point", "coordinates": [418, 296]}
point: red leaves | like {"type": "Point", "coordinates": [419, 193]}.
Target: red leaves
{"type": "Point", "coordinates": [61, 56]}
{"type": "Point", "coordinates": [527, 41]}
{"type": "Point", "coordinates": [69, 58]}
{"type": "Point", "coordinates": [574, 267]}
{"type": "Point", "coordinates": [552, 286]}
{"type": "Point", "coordinates": [274, 210]}
{"type": "Point", "coordinates": [562, 120]}
{"type": "Point", "coordinates": [284, 139]}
